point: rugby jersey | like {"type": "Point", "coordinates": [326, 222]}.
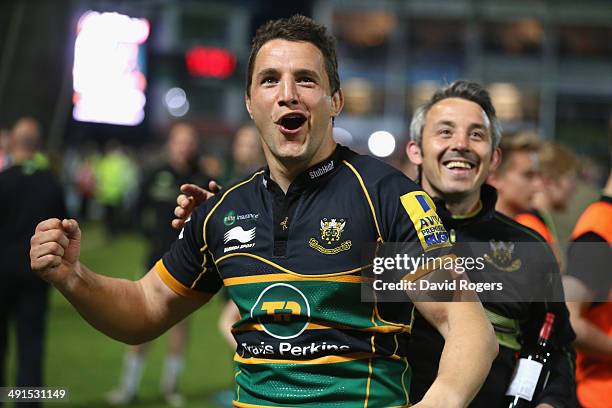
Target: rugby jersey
{"type": "Point", "coordinates": [292, 263]}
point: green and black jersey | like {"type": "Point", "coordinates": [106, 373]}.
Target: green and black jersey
{"type": "Point", "coordinates": [292, 264]}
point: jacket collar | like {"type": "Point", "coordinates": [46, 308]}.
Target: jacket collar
{"type": "Point", "coordinates": [488, 198]}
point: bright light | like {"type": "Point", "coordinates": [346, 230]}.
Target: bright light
{"type": "Point", "coordinates": [108, 80]}
{"type": "Point", "coordinates": [381, 143]}
{"type": "Point", "coordinates": [210, 62]}
{"type": "Point", "coordinates": [342, 136]}
{"type": "Point", "coordinates": [175, 98]}
{"type": "Point", "coordinates": [176, 102]}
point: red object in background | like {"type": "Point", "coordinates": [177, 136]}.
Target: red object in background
{"type": "Point", "coordinates": [210, 62]}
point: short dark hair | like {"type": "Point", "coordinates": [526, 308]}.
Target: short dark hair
{"type": "Point", "coordinates": [468, 90]}
{"type": "Point", "coordinates": [297, 28]}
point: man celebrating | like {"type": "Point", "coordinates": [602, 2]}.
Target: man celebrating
{"type": "Point", "coordinates": [454, 141]}
{"type": "Point", "coordinates": [287, 243]}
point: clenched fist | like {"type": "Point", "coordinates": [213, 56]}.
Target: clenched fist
{"type": "Point", "coordinates": [55, 249]}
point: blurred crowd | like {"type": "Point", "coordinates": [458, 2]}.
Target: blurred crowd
{"type": "Point", "coordinates": [105, 182]}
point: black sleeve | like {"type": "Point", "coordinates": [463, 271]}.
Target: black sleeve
{"type": "Point", "coordinates": [589, 257]}
{"type": "Point", "coordinates": [188, 268]}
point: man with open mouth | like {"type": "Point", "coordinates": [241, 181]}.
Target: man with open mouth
{"type": "Point", "coordinates": [288, 243]}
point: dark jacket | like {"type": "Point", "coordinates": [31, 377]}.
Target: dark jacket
{"type": "Point", "coordinates": [529, 271]}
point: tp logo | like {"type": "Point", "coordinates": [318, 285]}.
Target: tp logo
{"type": "Point", "coordinates": [282, 310]}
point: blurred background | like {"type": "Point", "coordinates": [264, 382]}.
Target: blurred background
{"type": "Point", "coordinates": [108, 76]}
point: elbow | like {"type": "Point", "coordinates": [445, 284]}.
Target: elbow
{"type": "Point", "coordinates": [135, 340]}
{"type": "Point", "coordinates": [134, 337]}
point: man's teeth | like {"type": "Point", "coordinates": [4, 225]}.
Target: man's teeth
{"type": "Point", "coordinates": [458, 164]}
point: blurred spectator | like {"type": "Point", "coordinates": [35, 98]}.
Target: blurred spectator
{"type": "Point", "coordinates": [156, 203]}
{"type": "Point", "coordinates": [86, 180]}
{"type": "Point", "coordinates": [516, 179]}
{"type": "Point", "coordinates": [212, 165]}
{"type": "Point", "coordinates": [5, 141]}
{"type": "Point", "coordinates": [588, 286]}
{"type": "Point", "coordinates": [247, 154]}
{"type": "Point", "coordinates": [558, 173]}
{"type": "Point", "coordinates": [29, 194]}
{"type": "Point", "coordinates": [78, 172]}
{"type": "Point", "coordinates": [229, 316]}
{"type": "Point", "coordinates": [247, 157]}
{"type": "Point", "coordinates": [115, 177]}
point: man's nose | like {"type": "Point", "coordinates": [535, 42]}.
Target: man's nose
{"type": "Point", "coordinates": [461, 141]}
{"type": "Point", "coordinates": [288, 94]}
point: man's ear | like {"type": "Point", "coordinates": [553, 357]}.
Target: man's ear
{"type": "Point", "coordinates": [494, 178]}
{"type": "Point", "coordinates": [495, 160]}
{"type": "Point", "coordinates": [337, 103]}
{"type": "Point", "coordinates": [414, 153]}
{"type": "Point", "coordinates": [247, 102]}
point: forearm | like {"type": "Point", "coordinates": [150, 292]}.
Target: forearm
{"type": "Point", "coordinates": [469, 349]}
{"type": "Point", "coordinates": [590, 339]}
{"type": "Point", "coordinates": [116, 307]}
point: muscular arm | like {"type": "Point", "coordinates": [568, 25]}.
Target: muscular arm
{"type": "Point", "coordinates": [469, 349]}
{"type": "Point", "coordinates": [131, 312]}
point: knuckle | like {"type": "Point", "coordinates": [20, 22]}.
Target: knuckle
{"type": "Point", "coordinates": [56, 235]}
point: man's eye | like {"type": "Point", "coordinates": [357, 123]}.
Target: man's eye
{"type": "Point", "coordinates": [477, 135]}
{"type": "Point", "coordinates": [445, 132]}
{"type": "Point", "coordinates": [268, 81]}
{"type": "Point", "coordinates": [306, 80]}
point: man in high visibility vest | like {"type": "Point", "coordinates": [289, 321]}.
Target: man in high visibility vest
{"type": "Point", "coordinates": [588, 286]}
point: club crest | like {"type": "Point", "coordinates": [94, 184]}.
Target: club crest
{"type": "Point", "coordinates": [501, 256]}
{"type": "Point", "coordinates": [331, 230]}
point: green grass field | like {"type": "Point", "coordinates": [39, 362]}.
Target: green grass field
{"type": "Point", "coordinates": [88, 363]}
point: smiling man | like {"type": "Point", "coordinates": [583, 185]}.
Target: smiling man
{"type": "Point", "coordinates": [454, 140]}
{"type": "Point", "coordinates": [288, 244]}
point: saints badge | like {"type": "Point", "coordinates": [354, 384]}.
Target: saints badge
{"type": "Point", "coordinates": [331, 233]}
{"type": "Point", "coordinates": [501, 256]}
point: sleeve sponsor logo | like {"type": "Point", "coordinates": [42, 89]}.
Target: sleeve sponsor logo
{"type": "Point", "coordinates": [428, 225]}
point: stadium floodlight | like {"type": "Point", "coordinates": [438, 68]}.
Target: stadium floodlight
{"type": "Point", "coordinates": [108, 74]}
{"type": "Point", "coordinates": [381, 143]}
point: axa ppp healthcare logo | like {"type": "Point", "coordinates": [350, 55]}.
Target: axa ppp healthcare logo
{"type": "Point", "coordinates": [282, 310]}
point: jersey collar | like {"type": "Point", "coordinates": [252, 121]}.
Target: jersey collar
{"type": "Point", "coordinates": [314, 175]}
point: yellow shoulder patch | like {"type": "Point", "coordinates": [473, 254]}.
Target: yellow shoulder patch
{"type": "Point", "coordinates": [428, 225]}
